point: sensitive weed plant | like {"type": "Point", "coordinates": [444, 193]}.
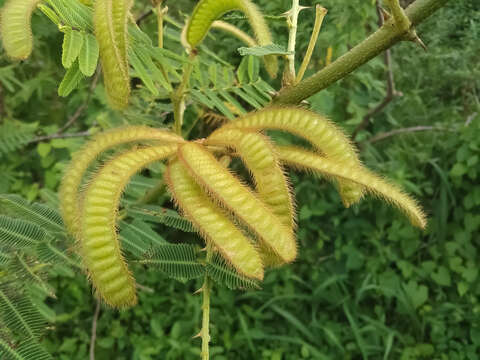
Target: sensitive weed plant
{"type": "Point", "coordinates": [247, 225]}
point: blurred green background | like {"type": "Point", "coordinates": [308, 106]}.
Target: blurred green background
{"type": "Point", "coordinates": [366, 285]}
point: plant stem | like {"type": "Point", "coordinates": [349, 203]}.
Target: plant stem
{"type": "Point", "coordinates": [160, 15]}
{"type": "Point", "coordinates": [320, 13]}
{"type": "Point", "coordinates": [206, 291]}
{"type": "Point", "coordinates": [385, 37]}
{"type": "Point", "coordinates": [292, 21]}
{"type": "Point", "coordinates": [401, 20]}
{"type": "Point", "coordinates": [178, 96]}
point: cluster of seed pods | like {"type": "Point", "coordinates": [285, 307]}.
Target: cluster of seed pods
{"type": "Point", "coordinates": [252, 227]}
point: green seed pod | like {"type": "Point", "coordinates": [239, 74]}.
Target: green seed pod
{"type": "Point", "coordinates": [81, 160]}
{"type": "Point", "coordinates": [98, 241]}
{"type": "Point", "coordinates": [207, 11]}
{"type": "Point", "coordinates": [323, 134]}
{"type": "Point", "coordinates": [110, 22]}
{"type": "Point", "coordinates": [212, 223]}
{"type": "Point", "coordinates": [15, 28]}
{"type": "Point", "coordinates": [306, 160]}
{"type": "Point", "coordinates": [231, 194]}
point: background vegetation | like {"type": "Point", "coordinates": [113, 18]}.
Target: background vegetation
{"type": "Point", "coordinates": [366, 285]}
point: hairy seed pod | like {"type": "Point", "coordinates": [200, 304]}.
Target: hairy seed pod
{"type": "Point", "coordinates": [16, 29]}
{"type": "Point", "coordinates": [259, 157]}
{"type": "Point", "coordinates": [327, 138]}
{"type": "Point", "coordinates": [229, 192]}
{"type": "Point", "coordinates": [110, 22]}
{"type": "Point", "coordinates": [81, 160]}
{"type": "Point", "coordinates": [306, 160]}
{"type": "Point", "coordinates": [272, 186]}
{"type": "Point", "coordinates": [98, 241]}
{"type": "Point", "coordinates": [212, 223]}
{"type": "Point", "coordinates": [207, 11]}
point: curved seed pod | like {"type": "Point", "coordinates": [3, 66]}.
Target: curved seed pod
{"type": "Point", "coordinates": [212, 223]}
{"type": "Point", "coordinates": [231, 193]}
{"type": "Point", "coordinates": [207, 11]}
{"type": "Point", "coordinates": [98, 243]}
{"type": "Point", "coordinates": [259, 157]}
{"type": "Point", "coordinates": [16, 29]}
{"type": "Point", "coordinates": [325, 136]}
{"type": "Point", "coordinates": [110, 22]}
{"type": "Point", "coordinates": [374, 184]}
{"type": "Point", "coordinates": [272, 186]}
{"type": "Point", "coordinates": [72, 179]}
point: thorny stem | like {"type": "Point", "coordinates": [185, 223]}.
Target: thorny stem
{"type": "Point", "coordinates": [401, 20]}
{"type": "Point", "coordinates": [384, 38]}
{"type": "Point", "coordinates": [391, 91]}
{"type": "Point", "coordinates": [292, 21]}
{"type": "Point", "coordinates": [178, 96]}
{"type": "Point", "coordinates": [206, 291]}
{"type": "Point", "coordinates": [320, 13]}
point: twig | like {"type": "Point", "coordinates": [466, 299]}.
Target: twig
{"type": "Point", "coordinates": [144, 288]}
{"type": "Point", "coordinates": [58, 136]}
{"type": "Point", "coordinates": [94, 331]}
{"type": "Point", "coordinates": [391, 92]}
{"type": "Point", "coordinates": [389, 134]}
{"type": "Point", "coordinates": [320, 13]}
{"type": "Point", "coordinates": [84, 105]}
{"type": "Point", "coordinates": [384, 38]}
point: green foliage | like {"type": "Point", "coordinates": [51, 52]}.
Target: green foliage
{"type": "Point", "coordinates": [177, 261]}
{"type": "Point", "coordinates": [14, 135]}
{"type": "Point", "coordinates": [225, 274]}
{"type": "Point", "coordinates": [365, 287]}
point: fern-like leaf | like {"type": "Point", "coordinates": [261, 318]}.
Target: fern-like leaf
{"type": "Point", "coordinates": [177, 261]}
{"type": "Point", "coordinates": [28, 350]}
{"type": "Point", "coordinates": [50, 252]}
{"type": "Point", "coordinates": [225, 274]}
{"type": "Point", "coordinates": [73, 13]}
{"type": "Point", "coordinates": [5, 258]}
{"type": "Point", "coordinates": [14, 135]}
{"type": "Point", "coordinates": [161, 215]}
{"type": "Point", "coordinates": [20, 316]}
{"type": "Point", "coordinates": [39, 214]}
{"type": "Point", "coordinates": [138, 237]}
{"type": "Point", "coordinates": [28, 270]}
{"type": "Point", "coordinates": [17, 234]}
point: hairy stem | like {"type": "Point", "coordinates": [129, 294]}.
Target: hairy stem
{"type": "Point", "coordinates": [385, 37]}
{"type": "Point", "coordinates": [320, 13]}
{"type": "Point", "coordinates": [206, 291]}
